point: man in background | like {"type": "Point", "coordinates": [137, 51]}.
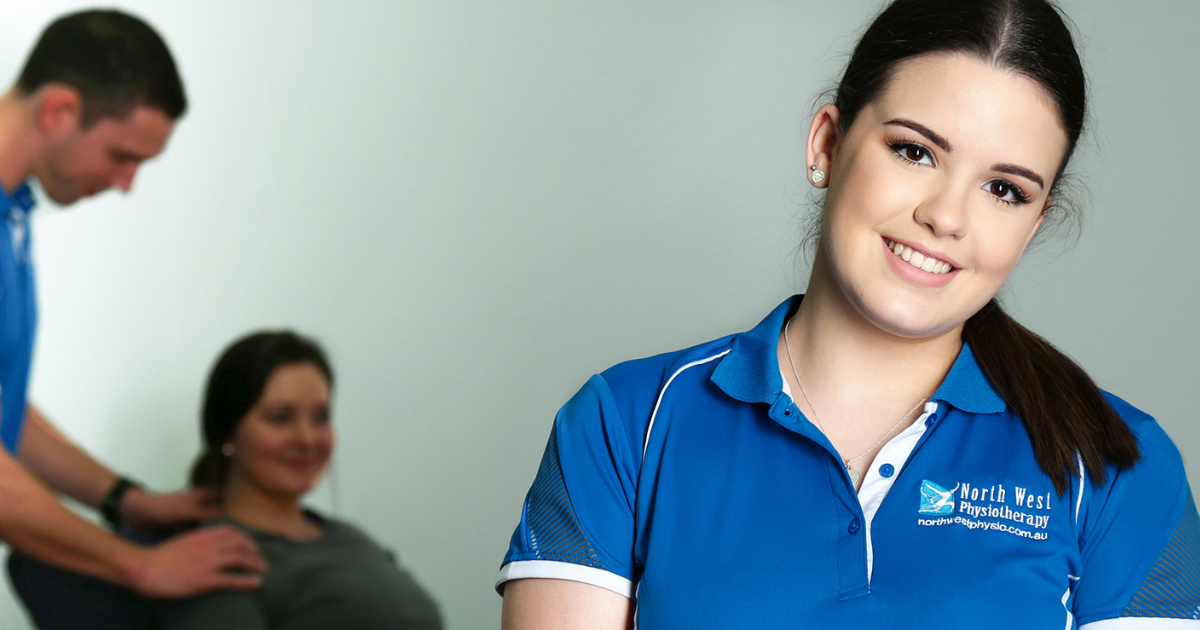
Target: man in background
{"type": "Point", "coordinates": [99, 95]}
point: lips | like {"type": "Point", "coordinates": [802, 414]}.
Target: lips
{"type": "Point", "coordinates": [917, 259]}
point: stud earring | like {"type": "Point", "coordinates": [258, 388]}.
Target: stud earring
{"type": "Point", "coordinates": [818, 176]}
{"type": "Point", "coordinates": [227, 449]}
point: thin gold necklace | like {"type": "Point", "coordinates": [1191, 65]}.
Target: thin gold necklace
{"type": "Point", "coordinates": [854, 474]}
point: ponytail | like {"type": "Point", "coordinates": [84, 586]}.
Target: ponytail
{"type": "Point", "coordinates": [210, 470]}
{"type": "Point", "coordinates": [1063, 410]}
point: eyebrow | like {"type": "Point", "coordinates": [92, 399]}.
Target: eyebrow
{"type": "Point", "coordinates": [123, 154]}
{"type": "Point", "coordinates": [1013, 169]}
{"type": "Point", "coordinates": [924, 131]}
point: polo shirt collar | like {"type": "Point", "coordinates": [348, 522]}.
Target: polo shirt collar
{"type": "Point", "coordinates": [750, 372]}
{"type": "Point", "coordinates": [967, 388]}
{"type": "Point", "coordinates": [21, 198]}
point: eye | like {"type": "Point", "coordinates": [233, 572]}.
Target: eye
{"type": "Point", "coordinates": [912, 152]}
{"type": "Point", "coordinates": [322, 417]}
{"type": "Point", "coordinates": [121, 157]}
{"type": "Point", "coordinates": [279, 416]}
{"type": "Point", "coordinates": [1007, 192]}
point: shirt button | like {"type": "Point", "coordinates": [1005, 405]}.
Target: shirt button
{"type": "Point", "coordinates": [787, 412]}
{"type": "Point", "coordinates": [854, 526]}
{"type": "Point", "coordinates": [887, 470]}
{"type": "Point", "coordinates": [929, 421]}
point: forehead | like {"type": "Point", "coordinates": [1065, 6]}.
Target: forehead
{"type": "Point", "coordinates": [293, 379]}
{"type": "Point", "coordinates": [143, 133]}
{"type": "Point", "coordinates": [998, 114]}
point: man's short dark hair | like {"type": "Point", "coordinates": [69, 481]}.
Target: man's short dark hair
{"type": "Point", "coordinates": [114, 60]}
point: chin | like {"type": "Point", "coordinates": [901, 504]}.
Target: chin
{"type": "Point", "coordinates": [62, 199]}
{"type": "Point", "coordinates": [289, 491]}
{"type": "Point", "coordinates": [913, 321]}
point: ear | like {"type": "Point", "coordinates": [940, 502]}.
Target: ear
{"type": "Point", "coordinates": [1038, 224]}
{"type": "Point", "coordinates": [58, 109]}
{"type": "Point", "coordinates": [822, 141]}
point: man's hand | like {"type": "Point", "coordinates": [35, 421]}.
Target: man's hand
{"type": "Point", "coordinates": [148, 510]}
{"type": "Point", "coordinates": [199, 561]}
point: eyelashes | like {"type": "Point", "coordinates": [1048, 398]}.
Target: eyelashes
{"type": "Point", "coordinates": [1002, 189]}
{"type": "Point", "coordinates": [912, 152]}
{"type": "Point", "coordinates": [918, 154]}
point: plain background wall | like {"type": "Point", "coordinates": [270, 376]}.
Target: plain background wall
{"type": "Point", "coordinates": [475, 206]}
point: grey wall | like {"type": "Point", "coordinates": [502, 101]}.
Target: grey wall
{"type": "Point", "coordinates": [476, 205]}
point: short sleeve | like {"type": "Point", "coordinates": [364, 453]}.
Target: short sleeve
{"type": "Point", "coordinates": [1139, 544]}
{"type": "Point", "coordinates": [577, 521]}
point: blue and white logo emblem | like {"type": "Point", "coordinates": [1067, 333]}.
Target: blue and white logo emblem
{"type": "Point", "coordinates": [936, 500]}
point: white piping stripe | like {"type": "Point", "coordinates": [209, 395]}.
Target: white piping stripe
{"type": "Point", "coordinates": [553, 570]}
{"type": "Point", "coordinates": [1082, 481]}
{"type": "Point", "coordinates": [1066, 596]}
{"type": "Point", "coordinates": [650, 427]}
{"type": "Point", "coordinates": [1140, 623]}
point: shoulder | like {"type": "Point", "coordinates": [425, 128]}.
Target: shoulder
{"type": "Point", "coordinates": [345, 530]}
{"type": "Point", "coordinates": [1154, 490]}
{"type": "Point", "coordinates": [651, 374]}
{"type": "Point", "coordinates": [222, 521]}
{"type": "Point", "coordinates": [1155, 446]}
{"type": "Point", "coordinates": [623, 398]}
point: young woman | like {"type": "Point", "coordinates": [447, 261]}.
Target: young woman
{"type": "Point", "coordinates": [891, 448]}
{"type": "Point", "coordinates": [267, 441]}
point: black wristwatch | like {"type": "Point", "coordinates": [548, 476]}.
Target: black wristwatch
{"type": "Point", "coordinates": [111, 506]}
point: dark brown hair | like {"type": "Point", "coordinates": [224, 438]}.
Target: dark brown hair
{"type": "Point", "coordinates": [235, 385]}
{"type": "Point", "coordinates": [1063, 410]}
{"type": "Point", "coordinates": [114, 60]}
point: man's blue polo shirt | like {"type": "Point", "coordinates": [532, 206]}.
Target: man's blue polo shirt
{"type": "Point", "coordinates": [691, 483]}
{"type": "Point", "coordinates": [18, 312]}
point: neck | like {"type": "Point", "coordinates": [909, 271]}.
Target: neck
{"type": "Point", "coordinates": [849, 364]}
{"type": "Point", "coordinates": [18, 145]}
{"type": "Point", "coordinates": [265, 512]}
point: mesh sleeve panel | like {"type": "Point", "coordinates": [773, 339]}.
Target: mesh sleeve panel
{"type": "Point", "coordinates": [1172, 589]}
{"type": "Point", "coordinates": [554, 530]}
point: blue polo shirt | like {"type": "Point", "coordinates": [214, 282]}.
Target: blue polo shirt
{"type": "Point", "coordinates": [691, 483]}
{"type": "Point", "coordinates": [18, 312]}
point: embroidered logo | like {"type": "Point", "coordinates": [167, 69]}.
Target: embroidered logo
{"type": "Point", "coordinates": [936, 500]}
{"type": "Point", "coordinates": [992, 507]}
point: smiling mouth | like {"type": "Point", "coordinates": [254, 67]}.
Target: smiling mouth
{"type": "Point", "coordinates": [917, 259]}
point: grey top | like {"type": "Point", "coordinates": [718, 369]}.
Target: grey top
{"type": "Point", "coordinates": [341, 579]}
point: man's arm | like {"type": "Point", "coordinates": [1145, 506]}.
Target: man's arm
{"type": "Point", "coordinates": [33, 520]}
{"type": "Point", "coordinates": [66, 468]}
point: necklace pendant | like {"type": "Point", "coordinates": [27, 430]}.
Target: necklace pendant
{"type": "Point", "coordinates": [854, 476]}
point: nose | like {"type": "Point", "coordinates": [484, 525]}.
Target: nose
{"type": "Point", "coordinates": [943, 211]}
{"type": "Point", "coordinates": [306, 433]}
{"type": "Point", "coordinates": [123, 177]}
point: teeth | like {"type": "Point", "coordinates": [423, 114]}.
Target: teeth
{"type": "Point", "coordinates": [917, 259]}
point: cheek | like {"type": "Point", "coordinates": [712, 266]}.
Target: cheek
{"type": "Point", "coordinates": [325, 443]}
{"type": "Point", "coordinates": [261, 443]}
{"type": "Point", "coordinates": [868, 189]}
{"type": "Point", "coordinates": [1000, 251]}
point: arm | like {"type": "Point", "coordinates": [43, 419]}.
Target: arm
{"type": "Point", "coordinates": [60, 464]}
{"type": "Point", "coordinates": [558, 572]}
{"type": "Point", "coordinates": [32, 520]}
{"type": "Point", "coordinates": [537, 604]}
{"type": "Point", "coordinates": [1139, 540]}
{"type": "Point", "coordinates": [65, 467]}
